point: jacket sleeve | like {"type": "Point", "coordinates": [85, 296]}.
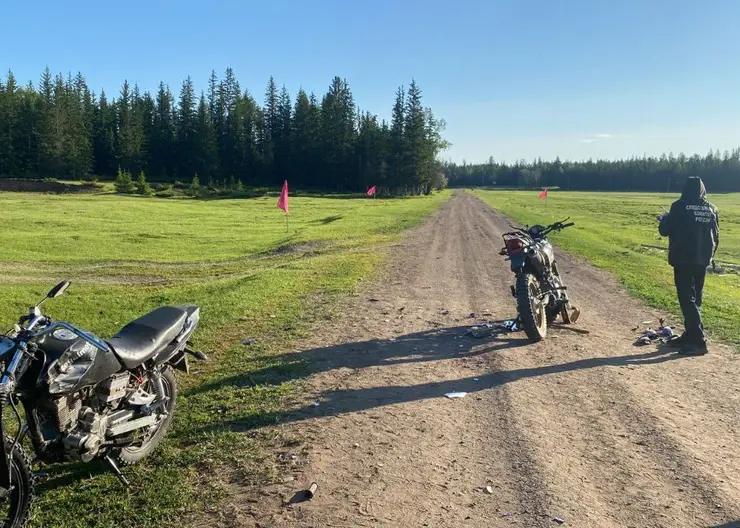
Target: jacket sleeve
{"type": "Point", "coordinates": [666, 226]}
{"type": "Point", "coordinates": [715, 231]}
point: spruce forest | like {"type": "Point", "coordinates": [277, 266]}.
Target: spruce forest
{"type": "Point", "coordinates": [719, 170]}
{"type": "Point", "coordinates": [62, 129]}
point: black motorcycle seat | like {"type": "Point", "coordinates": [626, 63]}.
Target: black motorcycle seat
{"type": "Point", "coordinates": [141, 339]}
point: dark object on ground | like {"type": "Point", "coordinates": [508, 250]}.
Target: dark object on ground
{"type": "Point", "coordinates": [304, 495]}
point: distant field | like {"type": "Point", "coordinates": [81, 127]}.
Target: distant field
{"type": "Point", "coordinates": [609, 231]}
{"type": "Point", "coordinates": [127, 255]}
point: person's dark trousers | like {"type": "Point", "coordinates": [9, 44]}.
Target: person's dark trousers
{"type": "Point", "coordinates": [690, 288]}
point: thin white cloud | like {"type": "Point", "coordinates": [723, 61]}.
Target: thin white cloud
{"type": "Point", "coordinates": [589, 140]}
{"type": "Point", "coordinates": [604, 136]}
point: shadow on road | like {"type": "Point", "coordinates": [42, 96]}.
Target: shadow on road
{"type": "Point", "coordinates": [432, 345]}
{"type": "Point", "coordinates": [419, 347]}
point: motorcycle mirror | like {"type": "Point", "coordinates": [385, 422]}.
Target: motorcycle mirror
{"type": "Point", "coordinates": [58, 290]}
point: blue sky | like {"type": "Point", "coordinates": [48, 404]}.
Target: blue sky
{"type": "Point", "coordinates": [512, 78]}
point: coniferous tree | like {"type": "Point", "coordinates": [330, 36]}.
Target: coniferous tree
{"type": "Point", "coordinates": [142, 186]}
{"type": "Point", "coordinates": [187, 130]}
{"type": "Point", "coordinates": [396, 144]}
{"type": "Point", "coordinates": [124, 183]}
{"type": "Point", "coordinates": [104, 139]}
{"type": "Point", "coordinates": [414, 141]}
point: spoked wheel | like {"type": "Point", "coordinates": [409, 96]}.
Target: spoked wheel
{"type": "Point", "coordinates": [15, 505]}
{"type": "Point", "coordinates": [532, 310]}
{"type": "Point", "coordinates": [150, 438]}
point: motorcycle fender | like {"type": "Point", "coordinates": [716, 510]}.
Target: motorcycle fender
{"type": "Point", "coordinates": [4, 466]}
{"type": "Point", "coordinates": [517, 261]}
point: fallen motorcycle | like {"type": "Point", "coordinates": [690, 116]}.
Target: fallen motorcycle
{"type": "Point", "coordinates": [85, 398]}
{"type": "Point", "coordinates": [540, 292]}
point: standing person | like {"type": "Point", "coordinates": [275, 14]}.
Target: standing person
{"type": "Point", "coordinates": [692, 228]}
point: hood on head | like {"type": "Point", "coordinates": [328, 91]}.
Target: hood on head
{"type": "Point", "coordinates": [693, 190]}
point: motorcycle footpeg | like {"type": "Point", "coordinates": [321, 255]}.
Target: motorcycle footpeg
{"type": "Point", "coordinates": [200, 356]}
{"type": "Point", "coordinates": [575, 313]}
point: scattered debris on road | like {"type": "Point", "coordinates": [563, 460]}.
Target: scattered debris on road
{"type": "Point", "coordinates": [456, 394]}
{"type": "Point", "coordinates": [649, 336]}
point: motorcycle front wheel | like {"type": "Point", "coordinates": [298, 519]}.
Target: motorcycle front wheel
{"type": "Point", "coordinates": [15, 507]}
{"type": "Point", "coordinates": [532, 311]}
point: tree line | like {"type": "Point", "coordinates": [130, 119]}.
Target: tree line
{"type": "Point", "coordinates": [719, 170]}
{"type": "Point", "coordinates": [63, 129]}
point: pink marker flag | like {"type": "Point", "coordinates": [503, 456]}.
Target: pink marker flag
{"type": "Point", "coordinates": [371, 191]}
{"type": "Point", "coordinates": [283, 200]}
{"type": "Point", "coordinates": [543, 194]}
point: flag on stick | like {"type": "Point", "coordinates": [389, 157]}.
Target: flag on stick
{"type": "Point", "coordinates": [543, 194]}
{"type": "Point", "coordinates": [283, 200]}
{"type": "Point", "coordinates": [371, 191]}
{"type": "Point", "coordinates": [283, 203]}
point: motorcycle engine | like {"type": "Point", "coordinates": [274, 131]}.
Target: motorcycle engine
{"type": "Point", "coordinates": [81, 418]}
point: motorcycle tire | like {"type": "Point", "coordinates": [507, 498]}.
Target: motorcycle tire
{"type": "Point", "coordinates": [22, 495]}
{"type": "Point", "coordinates": [533, 314]}
{"type": "Point", "coordinates": [132, 454]}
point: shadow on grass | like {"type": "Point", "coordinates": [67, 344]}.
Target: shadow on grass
{"type": "Point", "coordinates": [328, 220]}
{"type": "Point", "coordinates": [65, 474]}
{"type": "Point", "coordinates": [413, 348]}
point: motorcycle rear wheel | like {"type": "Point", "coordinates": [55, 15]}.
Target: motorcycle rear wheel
{"type": "Point", "coordinates": [533, 312]}
{"type": "Point", "coordinates": [132, 454]}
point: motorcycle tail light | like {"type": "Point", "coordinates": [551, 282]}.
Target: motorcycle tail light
{"type": "Point", "coordinates": [514, 245]}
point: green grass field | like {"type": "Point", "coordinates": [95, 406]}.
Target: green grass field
{"type": "Point", "coordinates": [127, 255]}
{"type": "Point", "coordinates": [610, 230]}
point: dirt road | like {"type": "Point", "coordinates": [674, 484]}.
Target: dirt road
{"type": "Point", "coordinates": [585, 429]}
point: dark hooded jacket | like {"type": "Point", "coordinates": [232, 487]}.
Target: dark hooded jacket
{"type": "Point", "coordinates": [692, 227]}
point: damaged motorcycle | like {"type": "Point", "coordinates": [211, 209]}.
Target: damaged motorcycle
{"type": "Point", "coordinates": [539, 290]}
{"type": "Point", "coordinates": [84, 398]}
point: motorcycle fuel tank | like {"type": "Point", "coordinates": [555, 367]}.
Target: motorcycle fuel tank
{"type": "Point", "coordinates": [73, 362]}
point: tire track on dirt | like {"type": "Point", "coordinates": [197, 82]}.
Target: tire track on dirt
{"type": "Point", "coordinates": [641, 484]}
{"type": "Point", "coordinates": [583, 427]}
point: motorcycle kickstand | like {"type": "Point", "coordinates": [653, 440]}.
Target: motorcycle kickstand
{"type": "Point", "coordinates": [117, 472]}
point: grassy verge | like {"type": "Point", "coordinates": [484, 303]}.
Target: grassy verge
{"type": "Point", "coordinates": [610, 231]}
{"type": "Point", "coordinates": [252, 279]}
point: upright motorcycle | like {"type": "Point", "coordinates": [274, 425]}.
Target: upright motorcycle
{"type": "Point", "coordinates": [541, 295]}
{"type": "Point", "coordinates": [85, 398]}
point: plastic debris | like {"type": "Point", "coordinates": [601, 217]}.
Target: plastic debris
{"type": "Point", "coordinates": [511, 325]}
{"type": "Point", "coordinates": [489, 490]}
{"type": "Point", "coordinates": [558, 520]}
{"type": "Point", "coordinates": [311, 491]}
{"type": "Point", "coordinates": [248, 342]}
{"type": "Point", "coordinates": [485, 330]}
{"type": "Point", "coordinates": [456, 394]}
